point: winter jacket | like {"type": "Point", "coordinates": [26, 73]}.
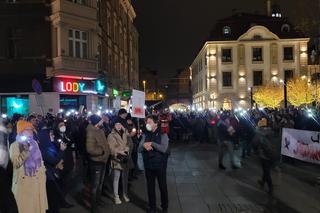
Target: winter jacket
{"type": "Point", "coordinates": [29, 191]}
{"type": "Point", "coordinates": [96, 144]}
{"type": "Point", "coordinates": [266, 145]}
{"type": "Point", "coordinates": [4, 152]}
{"type": "Point", "coordinates": [157, 158]}
{"type": "Point", "coordinates": [51, 155]}
{"type": "Point", "coordinates": [118, 143]}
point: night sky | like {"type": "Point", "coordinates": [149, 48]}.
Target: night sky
{"type": "Point", "coordinates": [172, 31]}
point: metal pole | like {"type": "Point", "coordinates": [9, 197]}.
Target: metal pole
{"type": "Point", "coordinates": [285, 93]}
{"type": "Point", "coordinates": [251, 96]}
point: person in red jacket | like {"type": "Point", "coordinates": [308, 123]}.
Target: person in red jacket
{"type": "Point", "coordinates": [165, 118]}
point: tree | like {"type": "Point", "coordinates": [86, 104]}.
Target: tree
{"type": "Point", "coordinates": [300, 92]}
{"type": "Point", "coordinates": [268, 96]}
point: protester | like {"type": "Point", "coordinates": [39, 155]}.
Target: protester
{"type": "Point", "coordinates": [53, 161]}
{"type": "Point", "coordinates": [7, 200]}
{"type": "Point", "coordinates": [226, 138]}
{"type": "Point", "coordinates": [61, 136]}
{"type": "Point", "coordinates": [98, 152]}
{"type": "Point", "coordinates": [29, 178]}
{"type": "Point", "coordinates": [119, 149]}
{"type": "Point", "coordinates": [266, 149]}
{"type": "Point", "coordinates": [154, 147]}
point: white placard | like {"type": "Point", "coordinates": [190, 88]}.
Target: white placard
{"type": "Point", "coordinates": [117, 103]}
{"type": "Point", "coordinates": [138, 102]}
{"type": "Point", "coordinates": [301, 144]}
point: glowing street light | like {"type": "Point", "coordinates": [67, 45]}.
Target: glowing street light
{"type": "Point", "coordinates": [144, 85]}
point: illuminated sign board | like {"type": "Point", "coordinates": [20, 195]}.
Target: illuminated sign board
{"type": "Point", "coordinates": [17, 105]}
{"type": "Point", "coordinates": [115, 92]}
{"type": "Point", "coordinates": [75, 86]}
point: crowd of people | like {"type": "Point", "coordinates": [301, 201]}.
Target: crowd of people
{"type": "Point", "coordinates": [38, 154]}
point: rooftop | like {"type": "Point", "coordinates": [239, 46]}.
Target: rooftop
{"type": "Point", "coordinates": [231, 28]}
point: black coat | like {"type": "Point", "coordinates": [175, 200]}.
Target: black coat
{"type": "Point", "coordinates": [7, 202]}
{"type": "Point", "coordinates": [154, 159]}
{"type": "Point", "coordinates": [51, 155]}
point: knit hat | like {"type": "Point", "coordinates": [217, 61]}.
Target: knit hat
{"type": "Point", "coordinates": [94, 119]}
{"type": "Point", "coordinates": [122, 111]}
{"type": "Point", "coordinates": [23, 125]}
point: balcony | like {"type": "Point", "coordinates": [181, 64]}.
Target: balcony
{"type": "Point", "coordinates": [77, 67]}
{"type": "Point", "coordinates": [64, 9]}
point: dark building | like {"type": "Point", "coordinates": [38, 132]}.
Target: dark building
{"type": "Point", "coordinates": [24, 38]}
{"type": "Point", "coordinates": [179, 91]}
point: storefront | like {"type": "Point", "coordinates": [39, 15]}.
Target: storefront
{"type": "Point", "coordinates": [74, 93]}
{"type": "Point", "coordinates": [11, 104]}
{"type": "Point", "coordinates": [65, 93]}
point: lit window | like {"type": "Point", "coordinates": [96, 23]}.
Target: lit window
{"type": "Point", "coordinates": [226, 30]}
{"type": "Point", "coordinates": [78, 44]}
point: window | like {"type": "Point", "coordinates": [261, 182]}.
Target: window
{"type": "Point", "coordinates": [226, 30]}
{"type": "Point", "coordinates": [285, 28]}
{"type": "Point", "coordinates": [257, 37]}
{"type": "Point", "coordinates": [288, 74]}
{"type": "Point", "coordinates": [78, 1]}
{"type": "Point", "coordinates": [288, 53]}
{"type": "Point", "coordinates": [78, 44]}
{"type": "Point", "coordinates": [257, 54]}
{"type": "Point", "coordinates": [226, 55]}
{"type": "Point", "coordinates": [226, 79]}
{"type": "Point", "coordinates": [257, 78]}
{"type": "Point", "coordinates": [108, 23]}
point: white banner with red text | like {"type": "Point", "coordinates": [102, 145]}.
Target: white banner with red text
{"type": "Point", "coordinates": [301, 144]}
{"type": "Point", "coordinates": [138, 101]}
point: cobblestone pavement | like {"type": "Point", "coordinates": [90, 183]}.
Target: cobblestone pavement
{"type": "Point", "coordinates": [197, 186]}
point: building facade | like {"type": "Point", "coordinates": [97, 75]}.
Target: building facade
{"type": "Point", "coordinates": [118, 47]}
{"type": "Point", "coordinates": [77, 51]}
{"type": "Point", "coordinates": [244, 52]}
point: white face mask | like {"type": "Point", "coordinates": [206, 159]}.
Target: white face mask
{"type": "Point", "coordinates": [62, 129]}
{"type": "Point", "coordinates": [149, 127]}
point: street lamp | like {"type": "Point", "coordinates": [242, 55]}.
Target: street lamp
{"type": "Point", "coordinates": [251, 96]}
{"type": "Point", "coordinates": [284, 82]}
{"type": "Point", "coordinates": [144, 85]}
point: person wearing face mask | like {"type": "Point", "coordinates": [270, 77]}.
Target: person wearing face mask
{"type": "Point", "coordinates": [29, 177]}
{"type": "Point", "coordinates": [98, 151]}
{"type": "Point", "coordinates": [61, 136]}
{"type": "Point", "coordinates": [119, 149]}
{"type": "Point", "coordinates": [7, 202]}
{"type": "Point", "coordinates": [53, 160]}
{"type": "Point", "coordinates": [154, 146]}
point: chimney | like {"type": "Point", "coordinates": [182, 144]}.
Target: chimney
{"type": "Point", "coordinates": [269, 8]}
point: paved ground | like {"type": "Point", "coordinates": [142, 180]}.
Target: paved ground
{"type": "Point", "coordinates": [197, 186]}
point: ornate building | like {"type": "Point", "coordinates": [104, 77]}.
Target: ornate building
{"type": "Point", "coordinates": [246, 51]}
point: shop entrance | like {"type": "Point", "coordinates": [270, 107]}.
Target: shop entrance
{"type": "Point", "coordinates": [68, 102]}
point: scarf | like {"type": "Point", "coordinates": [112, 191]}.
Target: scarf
{"type": "Point", "coordinates": [33, 162]}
